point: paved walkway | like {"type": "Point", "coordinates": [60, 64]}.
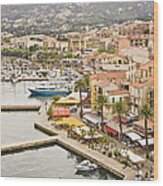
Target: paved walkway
{"type": "Point", "coordinates": [102, 160]}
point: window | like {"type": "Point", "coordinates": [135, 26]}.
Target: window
{"type": "Point", "coordinates": [113, 100]}
{"type": "Point", "coordinates": [100, 90]}
{"type": "Point", "coordinates": [120, 99]}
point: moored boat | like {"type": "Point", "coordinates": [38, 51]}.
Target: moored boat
{"type": "Point", "coordinates": [86, 165]}
{"type": "Point", "coordinates": [49, 90]}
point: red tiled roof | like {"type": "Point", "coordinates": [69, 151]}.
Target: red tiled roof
{"type": "Point", "coordinates": [108, 75]}
{"type": "Point", "coordinates": [147, 65]}
{"type": "Point", "coordinates": [117, 92]}
{"type": "Point", "coordinates": [140, 85]}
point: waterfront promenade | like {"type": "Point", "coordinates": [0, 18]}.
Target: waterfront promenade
{"type": "Point", "coordinates": [107, 163]}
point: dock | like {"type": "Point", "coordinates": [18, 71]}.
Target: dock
{"type": "Point", "coordinates": [26, 79]}
{"type": "Point", "coordinates": [20, 108]}
{"type": "Point", "coordinates": [27, 146]}
{"type": "Point", "coordinates": [34, 79]}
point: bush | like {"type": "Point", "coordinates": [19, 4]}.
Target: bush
{"type": "Point", "coordinates": [111, 51]}
{"type": "Point", "coordinates": [146, 31]}
{"type": "Point", "coordinates": [50, 111]}
{"type": "Point", "coordinates": [116, 153]}
{"type": "Point", "coordinates": [16, 53]}
{"type": "Point", "coordinates": [110, 154]}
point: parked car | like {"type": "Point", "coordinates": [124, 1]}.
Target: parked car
{"type": "Point", "coordinates": [151, 177]}
{"type": "Point", "coordinates": [73, 109]}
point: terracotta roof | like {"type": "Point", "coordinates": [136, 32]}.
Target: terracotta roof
{"type": "Point", "coordinates": [103, 84]}
{"type": "Point", "coordinates": [140, 85]}
{"type": "Point", "coordinates": [147, 65]}
{"type": "Point", "coordinates": [61, 113]}
{"type": "Point", "coordinates": [118, 92]}
{"type": "Point", "coordinates": [139, 36]}
{"type": "Point", "coordinates": [108, 75]}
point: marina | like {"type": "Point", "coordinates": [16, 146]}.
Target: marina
{"type": "Point", "coordinates": [42, 124]}
{"type": "Point", "coordinates": [78, 99]}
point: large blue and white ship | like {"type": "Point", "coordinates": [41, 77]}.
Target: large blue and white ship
{"type": "Point", "coordinates": [50, 89]}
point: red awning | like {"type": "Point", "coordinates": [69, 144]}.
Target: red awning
{"type": "Point", "coordinates": [123, 120]}
{"type": "Point", "coordinates": [110, 130]}
{"type": "Point", "coordinates": [61, 113]}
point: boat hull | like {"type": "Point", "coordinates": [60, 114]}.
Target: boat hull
{"type": "Point", "coordinates": [81, 169]}
{"type": "Point", "coordinates": [47, 93]}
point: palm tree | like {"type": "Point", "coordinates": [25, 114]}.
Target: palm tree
{"type": "Point", "coordinates": [104, 140]}
{"type": "Point", "coordinates": [83, 134]}
{"type": "Point", "coordinates": [80, 86]}
{"type": "Point", "coordinates": [55, 99]}
{"type": "Point", "coordinates": [146, 113]}
{"type": "Point", "coordinates": [100, 103]}
{"type": "Point", "coordinates": [69, 130]}
{"type": "Point", "coordinates": [120, 108]}
{"type": "Point", "coordinates": [92, 133]}
{"type": "Point", "coordinates": [86, 80]}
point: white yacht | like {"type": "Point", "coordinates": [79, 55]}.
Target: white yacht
{"type": "Point", "coordinates": [86, 165]}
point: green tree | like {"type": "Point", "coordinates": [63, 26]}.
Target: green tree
{"type": "Point", "coordinates": [55, 99]}
{"type": "Point", "coordinates": [146, 113]}
{"type": "Point", "coordinates": [92, 132]}
{"type": "Point", "coordinates": [83, 133]}
{"type": "Point", "coordinates": [100, 103]}
{"type": "Point", "coordinates": [120, 108]}
{"type": "Point", "coordinates": [13, 60]}
{"type": "Point", "coordinates": [86, 81]}
{"type": "Point", "coordinates": [104, 140]}
{"type": "Point", "coordinates": [50, 111]}
{"type": "Point", "coordinates": [80, 86]}
{"type": "Point", "coordinates": [68, 55]}
{"type": "Point", "coordinates": [147, 31]}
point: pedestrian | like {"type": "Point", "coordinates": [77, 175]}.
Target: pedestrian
{"type": "Point", "coordinates": [146, 176]}
{"type": "Point", "coordinates": [46, 106]}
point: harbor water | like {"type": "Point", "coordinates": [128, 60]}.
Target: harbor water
{"type": "Point", "coordinates": [50, 162]}
{"type": "Point", "coordinates": [18, 94]}
{"type": "Point", "coordinates": [18, 127]}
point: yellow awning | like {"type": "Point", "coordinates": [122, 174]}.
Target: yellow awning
{"type": "Point", "coordinates": [68, 101]}
{"type": "Point", "coordinates": [70, 121]}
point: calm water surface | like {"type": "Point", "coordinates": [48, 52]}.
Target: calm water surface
{"type": "Point", "coordinates": [18, 127]}
{"type": "Point", "coordinates": [18, 94]}
{"type": "Point", "coordinates": [50, 162]}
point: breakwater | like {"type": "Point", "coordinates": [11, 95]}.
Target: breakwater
{"type": "Point", "coordinates": [28, 146]}
{"type": "Point", "coordinates": [20, 108]}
